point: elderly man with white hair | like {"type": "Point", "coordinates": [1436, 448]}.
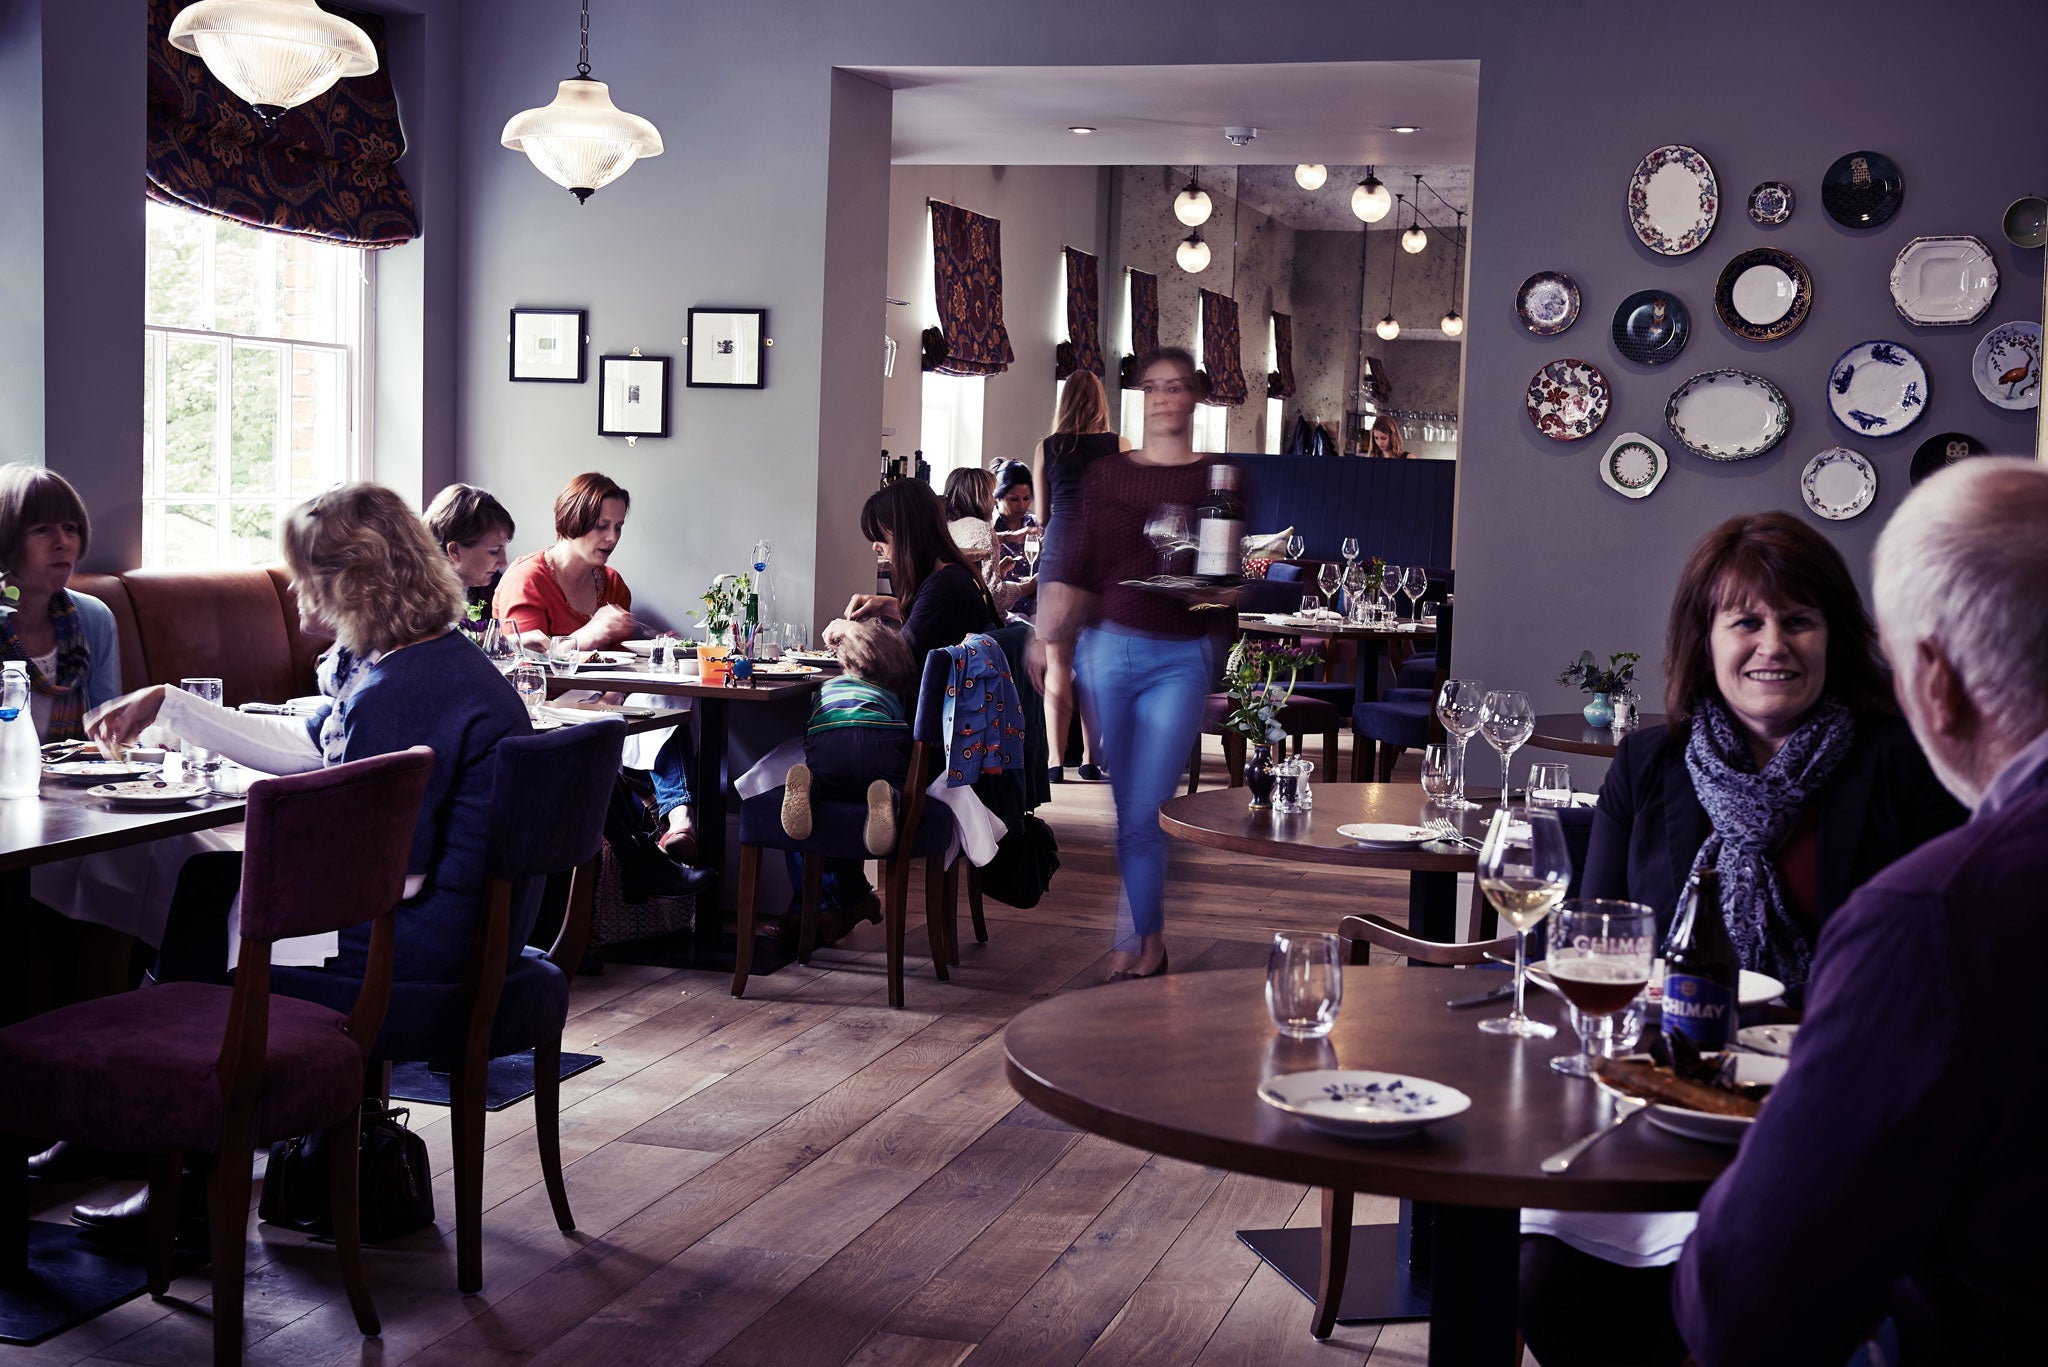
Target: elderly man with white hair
{"type": "Point", "coordinates": [1900, 1171]}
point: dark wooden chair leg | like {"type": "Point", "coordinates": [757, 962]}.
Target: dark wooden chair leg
{"type": "Point", "coordinates": [14, 1154]}
{"type": "Point", "coordinates": [1336, 1261]}
{"type": "Point", "coordinates": [344, 1143]}
{"type": "Point", "coordinates": [953, 910]}
{"type": "Point", "coordinates": [974, 904]}
{"type": "Point", "coordinates": [893, 917]}
{"type": "Point", "coordinates": [814, 893]}
{"type": "Point", "coordinates": [743, 953]}
{"type": "Point", "coordinates": [1195, 765]}
{"type": "Point", "coordinates": [1330, 755]}
{"type": "Point", "coordinates": [466, 1108]}
{"type": "Point", "coordinates": [1361, 752]}
{"type": "Point", "coordinates": [227, 1190]}
{"type": "Point", "coordinates": [935, 914]}
{"type": "Point", "coordinates": [1233, 758]}
{"type": "Point", "coordinates": [1390, 755]}
{"type": "Point", "coordinates": [547, 1126]}
{"type": "Point", "coordinates": [166, 1176]}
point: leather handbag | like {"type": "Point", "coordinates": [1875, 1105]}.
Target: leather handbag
{"type": "Point", "coordinates": [395, 1193]}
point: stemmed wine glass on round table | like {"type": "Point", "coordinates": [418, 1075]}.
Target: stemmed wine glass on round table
{"type": "Point", "coordinates": [1507, 720]}
{"type": "Point", "coordinates": [1600, 953]}
{"type": "Point", "coordinates": [1326, 580]}
{"type": "Point", "coordinates": [1350, 549]}
{"type": "Point", "coordinates": [1415, 583]}
{"type": "Point", "coordinates": [1524, 869]}
{"type": "Point", "coordinates": [1297, 546]}
{"type": "Point", "coordinates": [1458, 705]}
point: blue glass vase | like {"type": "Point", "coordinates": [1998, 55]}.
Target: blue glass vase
{"type": "Point", "coordinates": [1600, 711]}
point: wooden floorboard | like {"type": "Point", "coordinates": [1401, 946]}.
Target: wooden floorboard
{"type": "Point", "coordinates": [805, 1176]}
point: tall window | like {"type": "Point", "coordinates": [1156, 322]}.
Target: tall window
{"type": "Point", "coordinates": [253, 384]}
{"type": "Point", "coordinates": [951, 430]}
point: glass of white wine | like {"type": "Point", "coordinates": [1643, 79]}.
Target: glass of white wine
{"type": "Point", "coordinates": [1524, 869]}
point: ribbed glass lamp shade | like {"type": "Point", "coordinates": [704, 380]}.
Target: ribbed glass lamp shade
{"type": "Point", "coordinates": [1453, 325]}
{"type": "Point", "coordinates": [1371, 201]}
{"type": "Point", "coordinates": [1387, 328]}
{"type": "Point", "coordinates": [1311, 175]}
{"type": "Point", "coordinates": [1192, 254]}
{"type": "Point", "coordinates": [582, 141]}
{"type": "Point", "coordinates": [1414, 240]}
{"type": "Point", "coordinates": [273, 53]}
{"type": "Point", "coordinates": [1192, 207]}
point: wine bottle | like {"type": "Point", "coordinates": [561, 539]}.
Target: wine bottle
{"type": "Point", "coordinates": [888, 469]}
{"type": "Point", "coordinates": [1701, 970]}
{"type": "Point", "coordinates": [1219, 526]}
{"type": "Point", "coordinates": [923, 467]}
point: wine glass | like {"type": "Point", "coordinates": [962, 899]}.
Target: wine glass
{"type": "Point", "coordinates": [1507, 720]}
{"type": "Point", "coordinates": [1167, 529]}
{"type": "Point", "coordinates": [1458, 705]}
{"type": "Point", "coordinates": [1353, 580]}
{"type": "Point", "coordinates": [1350, 549]}
{"type": "Point", "coordinates": [1297, 546]}
{"type": "Point", "coordinates": [1389, 588]}
{"type": "Point", "coordinates": [1415, 583]}
{"type": "Point", "coordinates": [501, 642]}
{"type": "Point", "coordinates": [1034, 543]}
{"type": "Point", "coordinates": [1600, 952]}
{"type": "Point", "coordinates": [1326, 580]}
{"type": "Point", "coordinates": [1524, 869]}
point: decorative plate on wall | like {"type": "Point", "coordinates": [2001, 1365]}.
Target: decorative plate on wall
{"type": "Point", "coordinates": [2007, 366]}
{"type": "Point", "coordinates": [1862, 189]}
{"type": "Point", "coordinates": [1944, 281]}
{"type": "Point", "coordinates": [1547, 303]}
{"type": "Point", "coordinates": [1673, 199]}
{"type": "Point", "coordinates": [1770, 203]}
{"type": "Point", "coordinates": [1940, 452]}
{"type": "Point", "coordinates": [1651, 326]}
{"type": "Point", "coordinates": [1838, 484]}
{"type": "Point", "coordinates": [1878, 389]}
{"type": "Point", "coordinates": [1567, 400]}
{"type": "Point", "coordinates": [1728, 414]}
{"type": "Point", "coordinates": [1633, 466]}
{"type": "Point", "coordinates": [1764, 294]}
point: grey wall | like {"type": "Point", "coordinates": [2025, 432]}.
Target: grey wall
{"type": "Point", "coordinates": [1571, 96]}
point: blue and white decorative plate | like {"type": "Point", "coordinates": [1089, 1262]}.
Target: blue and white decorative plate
{"type": "Point", "coordinates": [1877, 389]}
{"type": "Point", "coordinates": [1354, 1103]}
{"type": "Point", "coordinates": [1838, 484]}
{"type": "Point", "coordinates": [1770, 203]}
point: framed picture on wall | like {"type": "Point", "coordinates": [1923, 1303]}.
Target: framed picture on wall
{"type": "Point", "coordinates": [547, 345]}
{"type": "Point", "coordinates": [728, 348]}
{"type": "Point", "coordinates": [632, 396]}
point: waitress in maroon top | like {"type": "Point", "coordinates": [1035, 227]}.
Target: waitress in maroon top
{"type": "Point", "coordinates": [1143, 661]}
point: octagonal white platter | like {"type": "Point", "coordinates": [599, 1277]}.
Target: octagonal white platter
{"type": "Point", "coordinates": [1633, 466]}
{"type": "Point", "coordinates": [1944, 281]}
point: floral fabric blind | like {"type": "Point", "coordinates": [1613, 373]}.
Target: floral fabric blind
{"type": "Point", "coordinates": [967, 269]}
{"type": "Point", "coordinates": [1280, 384]}
{"type": "Point", "coordinates": [1083, 348]}
{"type": "Point", "coordinates": [1144, 313]}
{"type": "Point", "coordinates": [1221, 350]}
{"type": "Point", "coordinates": [326, 169]}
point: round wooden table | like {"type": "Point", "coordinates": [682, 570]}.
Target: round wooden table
{"type": "Point", "coordinates": [1173, 1065]}
{"type": "Point", "coordinates": [1567, 732]}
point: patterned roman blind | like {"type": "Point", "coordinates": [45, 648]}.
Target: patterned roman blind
{"type": "Point", "coordinates": [1280, 384]}
{"type": "Point", "coordinates": [967, 269]}
{"type": "Point", "coordinates": [1083, 348]}
{"type": "Point", "coordinates": [1221, 350]}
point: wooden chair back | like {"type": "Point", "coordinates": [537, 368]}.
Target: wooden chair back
{"type": "Point", "coordinates": [1364, 932]}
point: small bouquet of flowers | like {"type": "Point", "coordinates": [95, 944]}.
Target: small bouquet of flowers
{"type": "Point", "coordinates": [1255, 698]}
{"type": "Point", "coordinates": [725, 608]}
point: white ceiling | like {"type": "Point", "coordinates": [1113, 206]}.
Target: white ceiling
{"type": "Point", "coordinates": [1338, 113]}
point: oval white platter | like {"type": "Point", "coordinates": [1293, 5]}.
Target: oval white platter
{"type": "Point", "coordinates": [1944, 281]}
{"type": "Point", "coordinates": [1673, 199]}
{"type": "Point", "coordinates": [2007, 366]}
{"type": "Point", "coordinates": [1877, 389]}
{"type": "Point", "coordinates": [1634, 466]}
{"type": "Point", "coordinates": [1838, 484]}
{"type": "Point", "coordinates": [1355, 1103]}
{"type": "Point", "coordinates": [1728, 414]}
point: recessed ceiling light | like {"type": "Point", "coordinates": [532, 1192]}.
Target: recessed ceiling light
{"type": "Point", "coordinates": [1081, 128]}
{"type": "Point", "coordinates": [1404, 128]}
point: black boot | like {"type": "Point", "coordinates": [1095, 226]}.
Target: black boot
{"type": "Point", "coordinates": [126, 1222]}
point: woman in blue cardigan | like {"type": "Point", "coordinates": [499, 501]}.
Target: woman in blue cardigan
{"type": "Point", "coordinates": [67, 637]}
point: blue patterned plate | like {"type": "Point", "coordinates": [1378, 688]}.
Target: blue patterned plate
{"type": "Point", "coordinates": [1877, 389]}
{"type": "Point", "coordinates": [1354, 1103]}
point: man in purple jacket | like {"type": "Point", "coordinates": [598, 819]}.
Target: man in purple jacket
{"type": "Point", "coordinates": [1901, 1169]}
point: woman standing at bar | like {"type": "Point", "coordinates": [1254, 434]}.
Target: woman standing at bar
{"type": "Point", "coordinates": [1386, 439]}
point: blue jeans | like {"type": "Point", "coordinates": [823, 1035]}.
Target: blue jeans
{"type": "Point", "coordinates": [671, 771]}
{"type": "Point", "coordinates": [1144, 696]}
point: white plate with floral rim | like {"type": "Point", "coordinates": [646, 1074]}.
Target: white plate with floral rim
{"type": "Point", "coordinates": [1728, 414]}
{"type": "Point", "coordinates": [1838, 484]}
{"type": "Point", "coordinates": [1567, 399]}
{"type": "Point", "coordinates": [1759, 1069]}
{"type": "Point", "coordinates": [1877, 388]}
{"type": "Point", "coordinates": [1386, 834]}
{"type": "Point", "coordinates": [1356, 1103]}
{"type": "Point", "coordinates": [141, 793]}
{"type": "Point", "coordinates": [1944, 281]}
{"type": "Point", "coordinates": [1634, 466]}
{"type": "Point", "coordinates": [1673, 199]}
{"type": "Point", "coordinates": [2007, 366]}
{"type": "Point", "coordinates": [98, 770]}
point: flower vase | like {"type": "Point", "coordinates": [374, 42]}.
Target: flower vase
{"type": "Point", "coordinates": [1600, 711]}
{"type": "Point", "coordinates": [1258, 775]}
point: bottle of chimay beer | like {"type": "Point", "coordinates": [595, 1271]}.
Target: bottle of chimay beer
{"type": "Point", "coordinates": [1701, 969]}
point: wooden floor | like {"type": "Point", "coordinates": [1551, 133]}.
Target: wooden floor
{"type": "Point", "coordinates": [806, 1176]}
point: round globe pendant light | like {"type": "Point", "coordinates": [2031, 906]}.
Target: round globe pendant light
{"type": "Point", "coordinates": [1370, 201]}
{"type": "Point", "coordinates": [276, 54]}
{"type": "Point", "coordinates": [1311, 175]}
{"type": "Point", "coordinates": [582, 141]}
{"type": "Point", "coordinates": [1387, 328]}
{"type": "Point", "coordinates": [1192, 254]}
{"type": "Point", "coordinates": [1454, 322]}
{"type": "Point", "coordinates": [1192, 206]}
{"type": "Point", "coordinates": [1414, 240]}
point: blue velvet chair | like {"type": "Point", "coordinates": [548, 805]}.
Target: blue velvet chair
{"type": "Point", "coordinates": [549, 794]}
{"type": "Point", "coordinates": [1403, 720]}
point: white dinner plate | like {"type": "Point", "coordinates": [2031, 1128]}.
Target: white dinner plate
{"type": "Point", "coordinates": [1752, 989]}
{"type": "Point", "coordinates": [1354, 1103]}
{"type": "Point", "coordinates": [145, 794]}
{"type": "Point", "coordinates": [1878, 388]}
{"type": "Point", "coordinates": [814, 657]}
{"type": "Point", "coordinates": [1673, 199]}
{"type": "Point", "coordinates": [1704, 1125]}
{"type": "Point", "coordinates": [776, 669]}
{"type": "Point", "coordinates": [1768, 1039]}
{"type": "Point", "coordinates": [98, 770]}
{"type": "Point", "coordinates": [1386, 834]}
{"type": "Point", "coordinates": [1838, 484]}
{"type": "Point", "coordinates": [1944, 281]}
{"type": "Point", "coordinates": [639, 647]}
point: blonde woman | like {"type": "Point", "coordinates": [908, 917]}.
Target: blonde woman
{"type": "Point", "coordinates": [1080, 436]}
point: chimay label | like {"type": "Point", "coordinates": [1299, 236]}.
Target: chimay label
{"type": "Point", "coordinates": [1699, 1007]}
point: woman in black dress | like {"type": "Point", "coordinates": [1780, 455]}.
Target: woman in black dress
{"type": "Point", "coordinates": [1080, 436]}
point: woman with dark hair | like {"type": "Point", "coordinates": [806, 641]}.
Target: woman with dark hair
{"type": "Point", "coordinates": [1015, 582]}
{"type": "Point", "coordinates": [66, 637]}
{"type": "Point", "coordinates": [1386, 439]}
{"type": "Point", "coordinates": [940, 598]}
{"type": "Point", "coordinates": [1786, 768]}
{"type": "Point", "coordinates": [472, 528]}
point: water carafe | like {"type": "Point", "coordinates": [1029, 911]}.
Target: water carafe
{"type": "Point", "coordinates": [21, 757]}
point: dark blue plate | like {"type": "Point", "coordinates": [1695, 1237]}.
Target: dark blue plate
{"type": "Point", "coordinates": [1651, 327]}
{"type": "Point", "coordinates": [1862, 189]}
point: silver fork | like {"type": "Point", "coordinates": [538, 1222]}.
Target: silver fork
{"type": "Point", "coordinates": [1445, 832]}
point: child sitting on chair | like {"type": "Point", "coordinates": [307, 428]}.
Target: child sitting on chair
{"type": "Point", "coordinates": [857, 745]}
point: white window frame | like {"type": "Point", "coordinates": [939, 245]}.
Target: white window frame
{"type": "Point", "coordinates": [1274, 404]}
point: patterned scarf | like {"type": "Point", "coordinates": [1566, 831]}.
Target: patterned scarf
{"type": "Point", "coordinates": [66, 692]}
{"type": "Point", "coordinates": [339, 672]}
{"type": "Point", "coordinates": [1752, 814]}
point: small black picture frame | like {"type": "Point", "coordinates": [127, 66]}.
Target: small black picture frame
{"type": "Point", "coordinates": [547, 346]}
{"type": "Point", "coordinates": [728, 349]}
{"type": "Point", "coordinates": [632, 396]}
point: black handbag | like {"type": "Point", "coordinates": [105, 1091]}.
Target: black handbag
{"type": "Point", "coordinates": [396, 1184]}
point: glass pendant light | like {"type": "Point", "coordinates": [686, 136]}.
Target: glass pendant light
{"type": "Point", "coordinates": [1414, 240]}
{"type": "Point", "coordinates": [276, 54]}
{"type": "Point", "coordinates": [1311, 175]}
{"type": "Point", "coordinates": [1370, 201]}
{"type": "Point", "coordinates": [1192, 254]}
{"type": "Point", "coordinates": [1454, 322]}
{"type": "Point", "coordinates": [1388, 327]}
{"type": "Point", "coordinates": [582, 141]}
{"type": "Point", "coordinates": [1193, 207]}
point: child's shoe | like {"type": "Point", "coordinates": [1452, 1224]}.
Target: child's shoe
{"type": "Point", "coordinates": [796, 802]}
{"type": "Point", "coordinates": [881, 827]}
